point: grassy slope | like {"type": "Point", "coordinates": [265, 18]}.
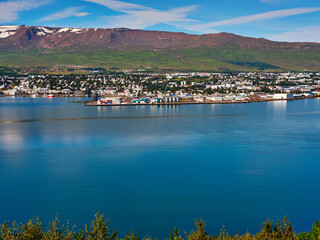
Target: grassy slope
{"type": "Point", "coordinates": [185, 59]}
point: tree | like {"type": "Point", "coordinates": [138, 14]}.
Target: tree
{"type": "Point", "coordinates": [31, 230]}
{"type": "Point", "coordinates": [176, 235]}
{"type": "Point", "coordinates": [315, 233]}
{"type": "Point", "coordinates": [131, 236]}
{"type": "Point", "coordinates": [304, 236]}
{"type": "Point", "coordinates": [283, 230]}
{"type": "Point", "coordinates": [200, 234]}
{"type": "Point", "coordinates": [99, 229]}
{"type": "Point", "coordinates": [54, 231]}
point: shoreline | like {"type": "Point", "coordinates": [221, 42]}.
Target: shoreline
{"type": "Point", "coordinates": [95, 104]}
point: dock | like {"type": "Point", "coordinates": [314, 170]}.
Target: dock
{"type": "Point", "coordinates": [96, 104]}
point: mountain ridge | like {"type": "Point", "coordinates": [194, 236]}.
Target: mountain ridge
{"type": "Point", "coordinates": [131, 48]}
{"type": "Point", "coordinates": [23, 36]}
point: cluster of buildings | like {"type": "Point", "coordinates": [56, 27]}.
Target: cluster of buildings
{"type": "Point", "coordinates": [141, 88]}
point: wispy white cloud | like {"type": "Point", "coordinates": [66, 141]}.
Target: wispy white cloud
{"type": "Point", "coordinates": [306, 34]}
{"type": "Point", "coordinates": [147, 18]}
{"type": "Point", "coordinates": [208, 27]}
{"type": "Point", "coordinates": [119, 6]}
{"type": "Point", "coordinates": [69, 12]}
{"type": "Point", "coordinates": [138, 16]}
{"type": "Point", "coordinates": [10, 9]}
{"type": "Point", "coordinates": [278, 2]}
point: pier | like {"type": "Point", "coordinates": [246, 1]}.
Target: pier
{"type": "Point", "coordinates": [95, 103]}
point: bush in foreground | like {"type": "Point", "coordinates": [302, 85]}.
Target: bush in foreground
{"type": "Point", "coordinates": [99, 230]}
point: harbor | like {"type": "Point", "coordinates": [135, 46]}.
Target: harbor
{"type": "Point", "coordinates": [110, 103]}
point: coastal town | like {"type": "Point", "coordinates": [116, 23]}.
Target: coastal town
{"type": "Point", "coordinates": [136, 88]}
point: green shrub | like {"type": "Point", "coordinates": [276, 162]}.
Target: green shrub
{"type": "Point", "coordinates": [99, 230]}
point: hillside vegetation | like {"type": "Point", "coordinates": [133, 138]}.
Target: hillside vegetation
{"type": "Point", "coordinates": [193, 59]}
{"type": "Point", "coordinates": [138, 49]}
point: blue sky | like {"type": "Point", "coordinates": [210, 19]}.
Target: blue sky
{"type": "Point", "coordinates": [283, 20]}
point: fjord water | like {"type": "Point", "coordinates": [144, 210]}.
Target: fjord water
{"type": "Point", "coordinates": [150, 168]}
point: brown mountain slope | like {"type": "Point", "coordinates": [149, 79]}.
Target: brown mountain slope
{"type": "Point", "coordinates": [128, 49]}
{"type": "Point", "coordinates": [23, 37]}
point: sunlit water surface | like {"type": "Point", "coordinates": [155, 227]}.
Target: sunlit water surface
{"type": "Point", "coordinates": [150, 168]}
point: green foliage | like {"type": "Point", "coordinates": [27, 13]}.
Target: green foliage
{"type": "Point", "coordinates": [99, 230]}
{"type": "Point", "coordinates": [54, 231]}
{"type": "Point", "coordinates": [190, 59]}
{"type": "Point", "coordinates": [283, 230]}
{"type": "Point", "coordinates": [7, 232]}
{"type": "Point", "coordinates": [304, 236]}
{"type": "Point", "coordinates": [315, 233]}
{"type": "Point", "coordinates": [224, 235]}
{"type": "Point", "coordinates": [200, 234]}
{"type": "Point", "coordinates": [131, 236]}
{"type": "Point", "coordinates": [259, 65]}
{"type": "Point", "coordinates": [7, 71]}
{"type": "Point", "coordinates": [176, 234]}
{"type": "Point", "coordinates": [31, 230]}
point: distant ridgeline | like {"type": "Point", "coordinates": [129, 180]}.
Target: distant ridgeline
{"type": "Point", "coordinates": [99, 230]}
{"type": "Point", "coordinates": [23, 46]}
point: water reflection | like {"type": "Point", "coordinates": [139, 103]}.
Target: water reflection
{"type": "Point", "coordinates": [129, 117]}
{"type": "Point", "coordinates": [11, 139]}
{"type": "Point", "coordinates": [303, 113]}
{"type": "Point", "coordinates": [149, 168]}
{"type": "Point", "coordinates": [280, 106]}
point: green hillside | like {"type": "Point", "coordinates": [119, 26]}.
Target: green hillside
{"type": "Point", "coordinates": [192, 59]}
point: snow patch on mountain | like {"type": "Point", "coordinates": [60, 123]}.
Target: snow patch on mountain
{"type": "Point", "coordinates": [45, 30]}
{"type": "Point", "coordinates": [72, 30]}
{"type": "Point", "coordinates": [6, 31]}
{"type": "Point", "coordinates": [9, 28]}
{"type": "Point", "coordinates": [76, 30]}
{"type": "Point", "coordinates": [63, 30]}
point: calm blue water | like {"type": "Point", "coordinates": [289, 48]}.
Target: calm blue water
{"type": "Point", "coordinates": [151, 168]}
